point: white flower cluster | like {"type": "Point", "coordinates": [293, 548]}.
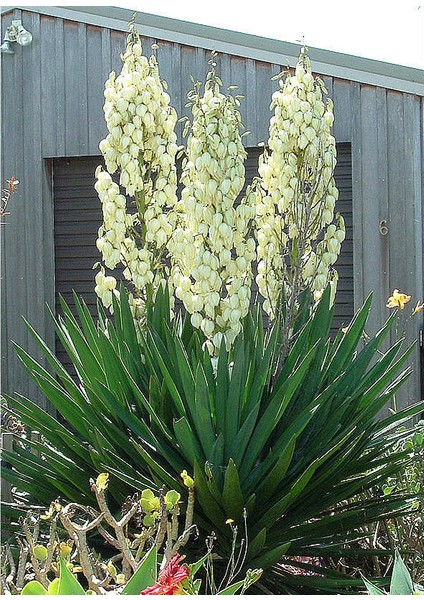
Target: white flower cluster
{"type": "Point", "coordinates": [141, 146]}
{"type": "Point", "coordinates": [105, 287]}
{"type": "Point", "coordinates": [285, 221]}
{"type": "Point", "coordinates": [296, 198]}
{"type": "Point", "coordinates": [116, 220]}
{"type": "Point", "coordinates": [212, 250]}
{"type": "Point", "coordinates": [141, 140]}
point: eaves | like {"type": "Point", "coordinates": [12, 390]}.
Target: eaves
{"type": "Point", "coordinates": [326, 62]}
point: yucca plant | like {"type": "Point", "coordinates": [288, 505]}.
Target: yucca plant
{"type": "Point", "coordinates": [281, 447]}
{"type": "Point", "coordinates": [401, 583]}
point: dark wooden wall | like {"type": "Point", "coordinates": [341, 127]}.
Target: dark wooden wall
{"type": "Point", "coordinates": [52, 98]}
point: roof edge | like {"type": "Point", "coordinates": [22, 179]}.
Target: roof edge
{"type": "Point", "coordinates": [326, 62]}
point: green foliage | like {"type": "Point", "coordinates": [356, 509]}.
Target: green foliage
{"type": "Point", "coordinates": [145, 575]}
{"type": "Point", "coordinates": [406, 532]}
{"type": "Point", "coordinates": [65, 585]}
{"type": "Point", "coordinates": [151, 555]}
{"type": "Point", "coordinates": [401, 583]}
{"type": "Point", "coordinates": [411, 478]}
{"type": "Point", "coordinates": [34, 588]}
{"type": "Point", "coordinates": [68, 584]}
{"type": "Point", "coordinates": [289, 443]}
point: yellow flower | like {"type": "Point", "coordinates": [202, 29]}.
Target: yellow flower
{"type": "Point", "coordinates": [397, 299]}
{"type": "Point", "coordinates": [418, 308]}
{"type": "Point", "coordinates": [188, 481]}
{"type": "Point", "coordinates": [102, 481]}
{"type": "Point", "coordinates": [65, 550]}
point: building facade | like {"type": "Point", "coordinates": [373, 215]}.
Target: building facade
{"type": "Point", "coordinates": [52, 122]}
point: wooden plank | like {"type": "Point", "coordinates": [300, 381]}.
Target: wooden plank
{"type": "Point", "coordinates": [422, 220]}
{"type": "Point", "coordinates": [328, 82]}
{"type": "Point", "coordinates": [38, 273]}
{"type": "Point", "coordinates": [179, 88]}
{"type": "Point", "coordinates": [194, 67]}
{"type": "Point", "coordinates": [106, 59]}
{"type": "Point", "coordinates": [264, 89]}
{"type": "Point", "coordinates": [202, 66]}
{"type": "Point", "coordinates": [238, 77]}
{"type": "Point", "coordinates": [413, 241]}
{"type": "Point", "coordinates": [15, 233]}
{"type": "Point", "coordinates": [49, 99]}
{"type": "Point", "coordinates": [81, 92]}
{"type": "Point", "coordinates": [399, 205]}
{"type": "Point", "coordinates": [275, 70]}
{"type": "Point", "coordinates": [382, 172]}
{"type": "Point", "coordinates": [6, 488]}
{"type": "Point", "coordinates": [398, 199]}
{"type": "Point", "coordinates": [32, 168]}
{"type": "Point", "coordinates": [48, 256]}
{"type": "Point", "coordinates": [370, 207]}
{"type": "Point", "coordinates": [59, 122]}
{"type": "Point", "coordinates": [117, 47]}
{"type": "Point", "coordinates": [9, 167]}
{"type": "Point", "coordinates": [164, 56]}
{"type": "Point", "coordinates": [420, 390]}
{"type": "Point", "coordinates": [97, 75]}
{"type": "Point", "coordinates": [225, 71]}
{"type": "Point", "coordinates": [357, 189]}
{"type": "Point", "coordinates": [342, 110]}
{"type": "Point", "coordinates": [413, 176]}
{"type": "Point", "coordinates": [249, 103]}
{"type": "Point", "coordinates": [73, 74]}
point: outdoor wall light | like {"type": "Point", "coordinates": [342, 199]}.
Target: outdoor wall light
{"type": "Point", "coordinates": [15, 33]}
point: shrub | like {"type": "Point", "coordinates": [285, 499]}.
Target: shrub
{"type": "Point", "coordinates": [145, 558]}
{"type": "Point", "coordinates": [287, 446]}
{"type": "Point", "coordinates": [401, 583]}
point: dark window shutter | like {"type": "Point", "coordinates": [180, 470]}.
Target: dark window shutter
{"type": "Point", "coordinates": [78, 216]}
{"type": "Point", "coordinates": [343, 175]}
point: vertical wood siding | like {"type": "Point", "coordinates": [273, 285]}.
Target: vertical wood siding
{"type": "Point", "coordinates": [26, 238]}
{"type": "Point", "coordinates": [52, 97]}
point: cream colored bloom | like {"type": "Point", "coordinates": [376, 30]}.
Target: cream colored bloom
{"type": "Point", "coordinates": [298, 238]}
{"type": "Point", "coordinates": [211, 249]}
{"type": "Point", "coordinates": [141, 147]}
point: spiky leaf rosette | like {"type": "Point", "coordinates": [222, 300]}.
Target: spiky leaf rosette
{"type": "Point", "coordinates": [292, 449]}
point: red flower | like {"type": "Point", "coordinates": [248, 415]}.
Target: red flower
{"type": "Point", "coordinates": [170, 578]}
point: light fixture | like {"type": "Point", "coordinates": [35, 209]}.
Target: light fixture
{"type": "Point", "coordinates": [15, 33]}
{"type": "Point", "coordinates": [6, 47]}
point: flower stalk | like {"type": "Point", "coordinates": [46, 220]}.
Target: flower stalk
{"type": "Point", "coordinates": [212, 250]}
{"type": "Point", "coordinates": [141, 147]}
{"type": "Point", "coordinates": [299, 237]}
{"type": "Point", "coordinates": [203, 242]}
